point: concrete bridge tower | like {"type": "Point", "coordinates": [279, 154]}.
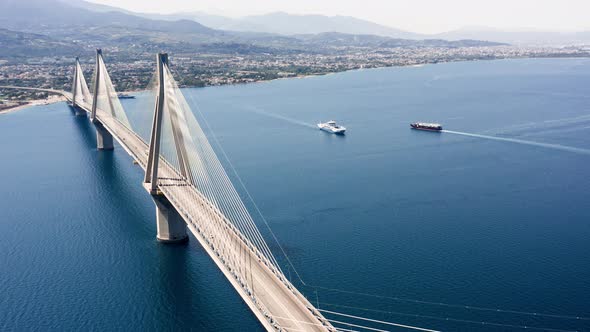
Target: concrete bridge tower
{"type": "Point", "coordinates": [75, 83]}
{"type": "Point", "coordinates": [104, 139]}
{"type": "Point", "coordinates": [78, 89]}
{"type": "Point", "coordinates": [171, 226]}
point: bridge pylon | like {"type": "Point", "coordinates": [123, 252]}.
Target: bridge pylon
{"type": "Point", "coordinates": [79, 90]}
{"type": "Point", "coordinates": [171, 226]}
{"type": "Point", "coordinates": [104, 139]}
{"type": "Point", "coordinates": [75, 83]}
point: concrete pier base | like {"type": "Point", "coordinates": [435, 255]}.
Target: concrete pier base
{"type": "Point", "coordinates": [171, 226]}
{"type": "Point", "coordinates": [104, 139]}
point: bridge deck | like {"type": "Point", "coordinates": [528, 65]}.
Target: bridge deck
{"type": "Point", "coordinates": [271, 297]}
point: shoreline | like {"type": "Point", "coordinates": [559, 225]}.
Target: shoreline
{"type": "Point", "coordinates": [36, 102]}
{"type": "Point", "coordinates": [412, 65]}
{"type": "Point", "coordinates": [55, 98]}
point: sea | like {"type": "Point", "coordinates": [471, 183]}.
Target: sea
{"type": "Point", "coordinates": [482, 227]}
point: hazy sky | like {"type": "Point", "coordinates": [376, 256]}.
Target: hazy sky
{"type": "Point", "coordinates": [426, 16]}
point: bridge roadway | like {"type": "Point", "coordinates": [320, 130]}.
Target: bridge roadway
{"type": "Point", "coordinates": [277, 304]}
{"type": "Point", "coordinates": [58, 92]}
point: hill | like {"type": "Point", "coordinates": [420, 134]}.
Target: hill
{"type": "Point", "coordinates": [289, 24]}
{"type": "Point", "coordinates": [82, 25]}
{"type": "Point", "coordinates": [53, 17]}
{"type": "Point", "coordinates": [275, 23]}
{"type": "Point", "coordinates": [22, 44]}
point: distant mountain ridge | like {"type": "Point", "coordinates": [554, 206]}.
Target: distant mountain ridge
{"type": "Point", "coordinates": [276, 23]}
{"type": "Point", "coordinates": [523, 37]}
{"type": "Point", "coordinates": [50, 16]}
{"type": "Point", "coordinates": [273, 23]}
{"type": "Point", "coordinates": [290, 24]}
{"type": "Point", "coordinates": [84, 26]}
{"type": "Point", "coordinates": [18, 44]}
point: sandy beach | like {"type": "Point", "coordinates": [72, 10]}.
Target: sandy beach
{"type": "Point", "coordinates": [49, 100]}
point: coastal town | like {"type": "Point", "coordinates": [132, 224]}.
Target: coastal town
{"type": "Point", "coordinates": [212, 69]}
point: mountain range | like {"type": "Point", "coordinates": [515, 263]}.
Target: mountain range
{"type": "Point", "coordinates": [83, 26]}
{"type": "Point", "coordinates": [53, 16]}
{"type": "Point", "coordinates": [22, 44]}
{"type": "Point", "coordinates": [522, 37]}
{"type": "Point", "coordinates": [290, 24]}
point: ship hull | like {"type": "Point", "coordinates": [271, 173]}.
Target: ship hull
{"type": "Point", "coordinates": [419, 127]}
{"type": "Point", "coordinates": [331, 131]}
{"type": "Point", "coordinates": [427, 129]}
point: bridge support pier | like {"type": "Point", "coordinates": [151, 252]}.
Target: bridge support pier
{"type": "Point", "coordinates": [171, 226]}
{"type": "Point", "coordinates": [104, 139]}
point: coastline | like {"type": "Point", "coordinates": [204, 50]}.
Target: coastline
{"type": "Point", "coordinates": [53, 99]}
{"type": "Point", "coordinates": [412, 65]}
{"type": "Point", "coordinates": [47, 101]}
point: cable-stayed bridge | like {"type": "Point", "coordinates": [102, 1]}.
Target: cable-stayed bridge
{"type": "Point", "coordinates": [191, 190]}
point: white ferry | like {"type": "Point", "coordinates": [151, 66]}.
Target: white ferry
{"type": "Point", "coordinates": [332, 127]}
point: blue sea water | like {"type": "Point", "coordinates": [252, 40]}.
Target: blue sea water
{"type": "Point", "coordinates": [414, 218]}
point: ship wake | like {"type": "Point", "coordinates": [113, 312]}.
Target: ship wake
{"type": "Point", "coordinates": [525, 142]}
{"type": "Point", "coordinates": [279, 117]}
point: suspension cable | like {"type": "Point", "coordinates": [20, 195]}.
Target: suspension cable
{"type": "Point", "coordinates": [195, 105]}
{"type": "Point", "coordinates": [378, 321]}
{"type": "Point", "coordinates": [356, 325]}
{"type": "Point", "coordinates": [213, 162]}
{"type": "Point", "coordinates": [450, 319]}
{"type": "Point", "coordinates": [460, 306]}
